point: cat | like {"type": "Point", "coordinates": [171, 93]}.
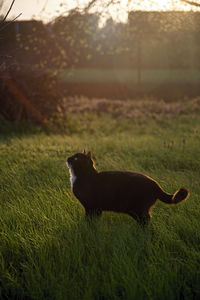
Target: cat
{"type": "Point", "coordinates": [118, 191]}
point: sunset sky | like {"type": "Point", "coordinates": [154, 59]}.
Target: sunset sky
{"type": "Point", "coordinates": [48, 9]}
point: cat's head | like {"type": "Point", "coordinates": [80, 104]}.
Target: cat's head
{"type": "Point", "coordinates": [80, 161]}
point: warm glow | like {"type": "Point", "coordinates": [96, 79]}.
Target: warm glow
{"type": "Point", "coordinates": [48, 9]}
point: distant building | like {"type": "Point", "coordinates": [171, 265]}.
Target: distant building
{"type": "Point", "coordinates": [23, 28]}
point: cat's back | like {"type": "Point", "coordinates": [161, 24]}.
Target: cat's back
{"type": "Point", "coordinates": [125, 179]}
{"type": "Point", "coordinates": [123, 175]}
{"type": "Point", "coordinates": [119, 188]}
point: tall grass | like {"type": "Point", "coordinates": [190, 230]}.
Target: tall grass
{"type": "Point", "coordinates": [47, 248]}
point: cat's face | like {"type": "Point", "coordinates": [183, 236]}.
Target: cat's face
{"type": "Point", "coordinates": [80, 161]}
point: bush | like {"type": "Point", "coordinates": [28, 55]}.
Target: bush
{"type": "Point", "coordinates": [27, 95]}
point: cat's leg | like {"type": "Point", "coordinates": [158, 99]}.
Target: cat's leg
{"type": "Point", "coordinates": [91, 212]}
{"type": "Point", "coordinates": [143, 218]}
{"type": "Point", "coordinates": [92, 215]}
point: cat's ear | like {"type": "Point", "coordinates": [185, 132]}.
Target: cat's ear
{"type": "Point", "coordinates": [84, 152]}
{"type": "Point", "coordinates": [89, 154]}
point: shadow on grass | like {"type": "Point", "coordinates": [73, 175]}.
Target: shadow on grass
{"type": "Point", "coordinates": [8, 130]}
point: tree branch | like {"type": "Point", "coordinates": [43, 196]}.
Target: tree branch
{"type": "Point", "coordinates": [8, 11]}
{"type": "Point", "coordinates": [90, 4]}
{"type": "Point", "coordinates": [191, 3]}
{"type": "Point", "coordinates": [4, 26]}
{"type": "Point", "coordinates": [44, 7]}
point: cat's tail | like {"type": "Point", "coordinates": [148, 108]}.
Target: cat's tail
{"type": "Point", "coordinates": [179, 196]}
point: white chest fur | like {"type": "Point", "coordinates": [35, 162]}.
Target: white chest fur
{"type": "Point", "coordinates": [72, 175]}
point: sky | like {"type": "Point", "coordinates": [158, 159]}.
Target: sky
{"type": "Point", "coordinates": [48, 9]}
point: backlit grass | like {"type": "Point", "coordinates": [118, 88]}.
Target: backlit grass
{"type": "Point", "coordinates": [49, 251]}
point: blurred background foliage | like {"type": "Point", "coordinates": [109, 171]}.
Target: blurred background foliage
{"type": "Point", "coordinates": [155, 53]}
{"type": "Point", "coordinates": [168, 39]}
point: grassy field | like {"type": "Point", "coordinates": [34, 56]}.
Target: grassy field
{"type": "Point", "coordinates": [49, 251]}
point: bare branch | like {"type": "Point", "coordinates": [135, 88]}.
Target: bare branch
{"type": "Point", "coordinates": [4, 26]}
{"type": "Point", "coordinates": [44, 7]}
{"type": "Point", "coordinates": [90, 4]}
{"type": "Point", "coordinates": [8, 11]}
{"type": "Point", "coordinates": [191, 3]}
{"type": "Point", "coordinates": [93, 2]}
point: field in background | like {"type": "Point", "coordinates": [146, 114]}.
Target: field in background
{"type": "Point", "coordinates": [155, 76]}
{"type": "Point", "coordinates": [49, 251]}
{"type": "Point", "coordinates": [168, 84]}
